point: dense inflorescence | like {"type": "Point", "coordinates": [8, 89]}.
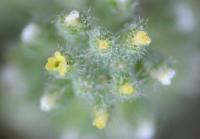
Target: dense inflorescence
{"type": "Point", "coordinates": [103, 66]}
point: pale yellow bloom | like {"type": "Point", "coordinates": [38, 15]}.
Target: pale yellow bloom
{"type": "Point", "coordinates": [126, 89]}
{"type": "Point", "coordinates": [100, 118]}
{"type": "Point", "coordinates": [103, 45]}
{"type": "Point", "coordinates": [164, 75]}
{"type": "Point", "coordinates": [141, 38]}
{"type": "Point", "coordinates": [72, 19]}
{"type": "Point", "coordinates": [47, 102]}
{"type": "Point", "coordinates": [57, 63]}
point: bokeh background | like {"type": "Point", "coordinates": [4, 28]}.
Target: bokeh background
{"type": "Point", "coordinates": [171, 112]}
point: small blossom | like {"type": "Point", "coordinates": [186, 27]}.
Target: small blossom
{"type": "Point", "coordinates": [145, 130]}
{"type": "Point", "coordinates": [186, 20]}
{"type": "Point", "coordinates": [100, 118]}
{"type": "Point", "coordinates": [122, 4]}
{"type": "Point", "coordinates": [47, 102]}
{"type": "Point", "coordinates": [103, 45]}
{"type": "Point", "coordinates": [29, 32]}
{"type": "Point", "coordinates": [122, 1]}
{"type": "Point", "coordinates": [70, 134]}
{"type": "Point", "coordinates": [126, 89]}
{"type": "Point", "coordinates": [57, 63]}
{"type": "Point", "coordinates": [140, 38]}
{"type": "Point", "coordinates": [13, 80]}
{"type": "Point", "coordinates": [163, 75]}
{"type": "Point", "coordinates": [72, 19]}
{"type": "Point", "coordinates": [101, 42]}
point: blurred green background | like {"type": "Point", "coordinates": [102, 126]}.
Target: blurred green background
{"type": "Point", "coordinates": [166, 113]}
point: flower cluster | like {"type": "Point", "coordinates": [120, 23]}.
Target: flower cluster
{"type": "Point", "coordinates": [106, 65]}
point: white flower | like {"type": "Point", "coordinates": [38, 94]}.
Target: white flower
{"type": "Point", "coordinates": [12, 80]}
{"type": "Point", "coordinates": [145, 130]}
{"type": "Point", "coordinates": [163, 75]}
{"type": "Point", "coordinates": [29, 32]}
{"type": "Point", "coordinates": [72, 18]}
{"type": "Point", "coordinates": [185, 17]}
{"type": "Point", "coordinates": [122, 4]}
{"type": "Point", "coordinates": [122, 1]}
{"type": "Point", "coordinates": [70, 134]}
{"type": "Point", "coordinates": [47, 102]}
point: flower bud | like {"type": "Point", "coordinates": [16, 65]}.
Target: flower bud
{"type": "Point", "coordinates": [100, 118]}
{"type": "Point", "coordinates": [127, 89]}
{"type": "Point", "coordinates": [140, 38]}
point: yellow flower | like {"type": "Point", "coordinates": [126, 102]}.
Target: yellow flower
{"type": "Point", "coordinates": [103, 45]}
{"type": "Point", "coordinates": [100, 118]}
{"type": "Point", "coordinates": [126, 89]}
{"type": "Point", "coordinates": [57, 63]}
{"type": "Point", "coordinates": [141, 38]}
